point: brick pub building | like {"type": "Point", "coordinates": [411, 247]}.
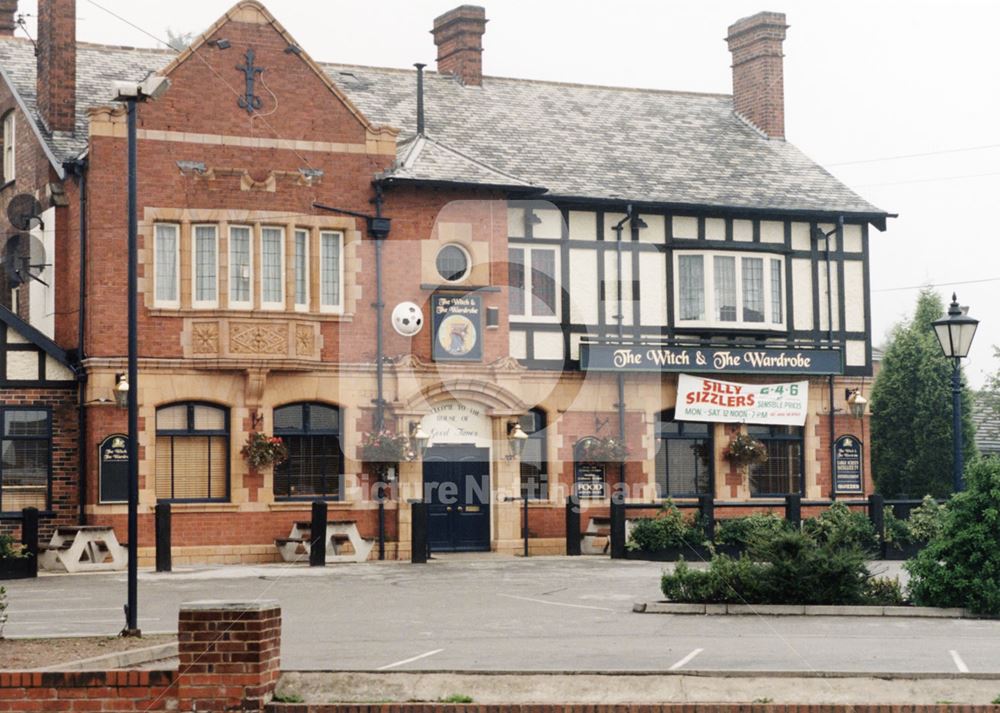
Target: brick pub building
{"type": "Point", "coordinates": [582, 259]}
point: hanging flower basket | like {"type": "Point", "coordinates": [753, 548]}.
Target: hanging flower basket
{"type": "Point", "coordinates": [262, 450]}
{"type": "Point", "coordinates": [603, 450]}
{"type": "Point", "coordinates": [745, 450]}
{"type": "Point", "coordinates": [384, 447]}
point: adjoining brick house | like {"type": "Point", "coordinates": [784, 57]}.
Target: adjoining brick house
{"type": "Point", "coordinates": [572, 250]}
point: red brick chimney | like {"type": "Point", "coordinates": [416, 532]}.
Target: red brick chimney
{"type": "Point", "coordinates": [458, 35]}
{"type": "Point", "coordinates": [758, 78]}
{"type": "Point", "coordinates": [57, 63]}
{"type": "Point", "coordinates": [8, 12]}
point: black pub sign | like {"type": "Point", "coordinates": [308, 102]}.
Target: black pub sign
{"type": "Point", "coordinates": [112, 459]}
{"type": "Point", "coordinates": [458, 327]}
{"type": "Point", "coordinates": [590, 481]}
{"type": "Point", "coordinates": [709, 360]}
{"type": "Point", "coordinates": [847, 460]}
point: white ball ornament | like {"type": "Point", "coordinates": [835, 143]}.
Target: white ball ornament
{"type": "Point", "coordinates": [407, 319]}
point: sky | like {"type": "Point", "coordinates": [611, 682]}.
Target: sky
{"type": "Point", "coordinates": [866, 84]}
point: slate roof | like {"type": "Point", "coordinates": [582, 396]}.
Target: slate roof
{"type": "Point", "coordinates": [986, 417]}
{"type": "Point", "coordinates": [576, 141]}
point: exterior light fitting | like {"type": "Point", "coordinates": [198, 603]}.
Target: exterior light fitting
{"type": "Point", "coordinates": [121, 391]}
{"type": "Point", "coordinates": [418, 439]}
{"type": "Point", "coordinates": [516, 438]}
{"type": "Point", "coordinates": [857, 403]}
{"type": "Point", "coordinates": [955, 332]}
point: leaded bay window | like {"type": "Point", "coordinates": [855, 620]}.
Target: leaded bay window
{"type": "Point", "coordinates": [301, 262]}
{"type": "Point", "coordinates": [684, 456]}
{"type": "Point", "coordinates": [166, 248]}
{"type": "Point", "coordinates": [206, 266]}
{"type": "Point", "coordinates": [534, 283]}
{"type": "Point", "coordinates": [272, 272]}
{"type": "Point", "coordinates": [330, 273]}
{"type": "Point", "coordinates": [9, 165]}
{"type": "Point", "coordinates": [240, 267]}
{"type": "Point", "coordinates": [192, 452]}
{"type": "Point", "coordinates": [25, 465]}
{"type": "Point", "coordinates": [782, 473]}
{"type": "Point", "coordinates": [729, 289]}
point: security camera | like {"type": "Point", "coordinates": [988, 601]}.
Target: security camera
{"type": "Point", "coordinates": [407, 319]}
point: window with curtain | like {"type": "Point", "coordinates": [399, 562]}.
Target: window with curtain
{"type": "Point", "coordinates": [684, 456]}
{"type": "Point", "coordinates": [302, 269]}
{"type": "Point", "coordinates": [692, 287]}
{"type": "Point", "coordinates": [315, 464]}
{"type": "Point", "coordinates": [534, 466]}
{"type": "Point", "coordinates": [240, 267]}
{"type": "Point", "coordinates": [206, 262]}
{"type": "Point", "coordinates": [166, 238]}
{"type": "Point", "coordinates": [272, 273]}
{"type": "Point", "coordinates": [753, 289]}
{"type": "Point", "coordinates": [192, 452]}
{"type": "Point", "coordinates": [26, 462]}
{"type": "Point", "coordinates": [533, 278]}
{"type": "Point", "coordinates": [330, 275]}
{"type": "Point", "coordinates": [9, 142]}
{"type": "Point", "coordinates": [782, 473]}
{"type": "Point", "coordinates": [739, 290]}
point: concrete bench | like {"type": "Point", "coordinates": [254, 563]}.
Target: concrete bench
{"type": "Point", "coordinates": [83, 548]}
{"type": "Point", "coordinates": [343, 542]}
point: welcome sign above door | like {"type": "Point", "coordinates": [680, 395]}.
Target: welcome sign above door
{"type": "Point", "coordinates": [700, 399]}
{"type": "Point", "coordinates": [727, 360]}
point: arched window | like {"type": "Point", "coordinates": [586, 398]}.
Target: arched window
{"type": "Point", "coordinates": [315, 464]}
{"type": "Point", "coordinates": [783, 472]}
{"type": "Point", "coordinates": [534, 466]}
{"type": "Point", "coordinates": [8, 147]}
{"type": "Point", "coordinates": [684, 456]}
{"type": "Point", "coordinates": [192, 452]}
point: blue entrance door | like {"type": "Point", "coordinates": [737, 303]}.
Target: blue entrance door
{"type": "Point", "coordinates": [457, 490]}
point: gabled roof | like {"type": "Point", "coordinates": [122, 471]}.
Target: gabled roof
{"type": "Point", "coordinates": [986, 419]}
{"type": "Point", "coordinates": [578, 141]}
{"type": "Point", "coordinates": [34, 336]}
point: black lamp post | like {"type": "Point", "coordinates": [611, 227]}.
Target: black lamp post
{"type": "Point", "coordinates": [131, 93]}
{"type": "Point", "coordinates": [955, 332]}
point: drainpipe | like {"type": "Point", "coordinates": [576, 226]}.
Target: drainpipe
{"type": "Point", "coordinates": [78, 168]}
{"type": "Point", "coordinates": [379, 367]}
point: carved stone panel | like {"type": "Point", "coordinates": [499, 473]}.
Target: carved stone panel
{"type": "Point", "coordinates": [264, 338]}
{"type": "Point", "coordinates": [258, 338]}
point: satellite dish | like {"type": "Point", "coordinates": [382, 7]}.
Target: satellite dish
{"type": "Point", "coordinates": [23, 259]}
{"type": "Point", "coordinates": [24, 212]}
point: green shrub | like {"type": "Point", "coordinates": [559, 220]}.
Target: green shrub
{"type": "Point", "coordinates": [926, 520]}
{"type": "Point", "coordinates": [746, 530]}
{"type": "Point", "coordinates": [897, 532]}
{"type": "Point", "coordinates": [840, 527]}
{"type": "Point", "coordinates": [884, 592]}
{"type": "Point", "coordinates": [789, 568]}
{"type": "Point", "coordinates": [3, 610]}
{"type": "Point", "coordinates": [668, 529]}
{"type": "Point", "coordinates": [960, 567]}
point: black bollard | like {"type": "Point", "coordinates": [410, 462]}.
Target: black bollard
{"type": "Point", "coordinates": [418, 532]}
{"type": "Point", "coordinates": [573, 526]}
{"type": "Point", "coordinates": [164, 562]}
{"type": "Point", "coordinates": [706, 512]}
{"type": "Point", "coordinates": [793, 509]}
{"type": "Point", "coordinates": [617, 526]}
{"type": "Point", "coordinates": [876, 513]}
{"type": "Point", "coordinates": [317, 535]}
{"type": "Point", "coordinates": [29, 536]}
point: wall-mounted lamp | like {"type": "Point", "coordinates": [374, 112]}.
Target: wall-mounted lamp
{"type": "Point", "coordinates": [121, 391]}
{"type": "Point", "coordinates": [856, 403]}
{"type": "Point", "coordinates": [222, 44]}
{"type": "Point", "coordinates": [516, 438]}
{"type": "Point", "coordinates": [418, 439]}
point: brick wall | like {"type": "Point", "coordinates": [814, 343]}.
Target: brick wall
{"type": "Point", "coordinates": [229, 660]}
{"type": "Point", "coordinates": [65, 461]}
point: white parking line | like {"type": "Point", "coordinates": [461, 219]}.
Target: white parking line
{"type": "Point", "coordinates": [14, 612]}
{"type": "Point", "coordinates": [556, 604]}
{"type": "Point", "coordinates": [409, 660]}
{"type": "Point", "coordinates": [686, 660]}
{"type": "Point", "coordinates": [959, 663]}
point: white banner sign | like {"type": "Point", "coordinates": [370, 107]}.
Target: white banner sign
{"type": "Point", "coordinates": [700, 399]}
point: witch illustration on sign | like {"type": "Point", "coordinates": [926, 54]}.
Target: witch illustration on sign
{"type": "Point", "coordinates": [457, 335]}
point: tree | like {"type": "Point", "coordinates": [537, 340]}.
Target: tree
{"type": "Point", "coordinates": [911, 410]}
{"type": "Point", "coordinates": [179, 40]}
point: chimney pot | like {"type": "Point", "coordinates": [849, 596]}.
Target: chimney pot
{"type": "Point", "coordinates": [57, 64]}
{"type": "Point", "coordinates": [758, 76]}
{"type": "Point", "coordinates": [458, 35]}
{"type": "Point", "coordinates": [8, 17]}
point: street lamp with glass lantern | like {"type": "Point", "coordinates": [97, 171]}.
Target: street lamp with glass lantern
{"type": "Point", "coordinates": [955, 333]}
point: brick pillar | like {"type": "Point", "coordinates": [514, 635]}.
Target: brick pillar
{"type": "Point", "coordinates": [458, 35]}
{"type": "Point", "coordinates": [56, 78]}
{"type": "Point", "coordinates": [758, 72]}
{"type": "Point", "coordinates": [229, 654]}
